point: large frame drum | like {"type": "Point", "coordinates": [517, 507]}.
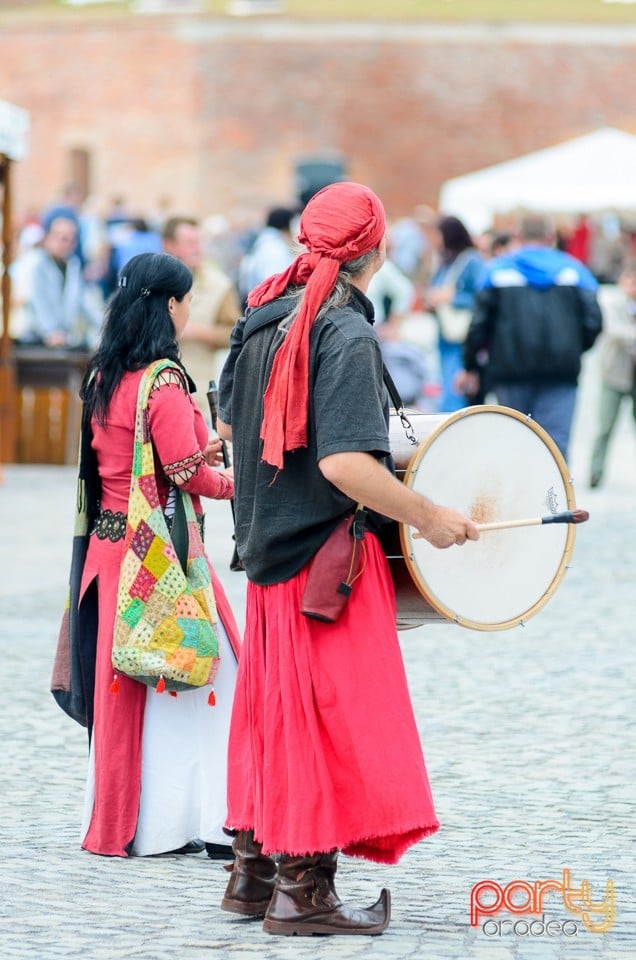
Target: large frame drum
{"type": "Point", "coordinates": [491, 463]}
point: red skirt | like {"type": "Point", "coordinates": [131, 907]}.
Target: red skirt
{"type": "Point", "coordinates": [324, 751]}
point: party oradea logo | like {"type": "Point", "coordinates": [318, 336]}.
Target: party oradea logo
{"type": "Point", "coordinates": [524, 899]}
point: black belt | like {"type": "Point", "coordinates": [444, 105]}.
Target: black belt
{"type": "Point", "coordinates": [110, 525]}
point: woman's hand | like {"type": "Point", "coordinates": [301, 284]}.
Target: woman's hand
{"type": "Point", "coordinates": [213, 452]}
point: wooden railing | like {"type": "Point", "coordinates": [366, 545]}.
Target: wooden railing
{"type": "Point", "coordinates": [47, 406]}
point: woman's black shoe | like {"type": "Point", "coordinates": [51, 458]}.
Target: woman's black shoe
{"type": "Point", "coordinates": [193, 846]}
{"type": "Point", "coordinates": [219, 851]}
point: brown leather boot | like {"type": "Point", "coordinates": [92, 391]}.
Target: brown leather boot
{"type": "Point", "coordinates": [251, 882]}
{"type": "Point", "coordinates": [305, 901]}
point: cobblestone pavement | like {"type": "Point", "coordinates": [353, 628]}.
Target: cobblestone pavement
{"type": "Point", "coordinates": [528, 734]}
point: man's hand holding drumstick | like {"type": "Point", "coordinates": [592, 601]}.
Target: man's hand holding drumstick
{"type": "Point", "coordinates": [567, 516]}
{"type": "Point", "coordinates": [362, 478]}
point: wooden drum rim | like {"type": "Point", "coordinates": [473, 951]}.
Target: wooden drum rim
{"type": "Point", "coordinates": [406, 536]}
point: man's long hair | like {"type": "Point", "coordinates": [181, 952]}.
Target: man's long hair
{"type": "Point", "coordinates": [341, 294]}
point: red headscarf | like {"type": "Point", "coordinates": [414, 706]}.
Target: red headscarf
{"type": "Point", "coordinates": [340, 223]}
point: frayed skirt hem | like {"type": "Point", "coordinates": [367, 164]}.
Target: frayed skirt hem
{"type": "Point", "coordinates": [387, 849]}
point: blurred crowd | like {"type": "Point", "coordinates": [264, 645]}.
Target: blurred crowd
{"type": "Point", "coordinates": [67, 259]}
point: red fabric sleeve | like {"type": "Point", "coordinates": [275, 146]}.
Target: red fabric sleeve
{"type": "Point", "coordinates": [172, 424]}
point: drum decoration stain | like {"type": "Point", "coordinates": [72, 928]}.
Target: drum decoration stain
{"type": "Point", "coordinates": [482, 509]}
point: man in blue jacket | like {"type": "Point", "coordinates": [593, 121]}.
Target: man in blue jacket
{"type": "Point", "coordinates": [535, 314]}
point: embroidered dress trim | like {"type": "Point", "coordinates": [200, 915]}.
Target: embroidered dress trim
{"type": "Point", "coordinates": [169, 377]}
{"type": "Point", "coordinates": [181, 471]}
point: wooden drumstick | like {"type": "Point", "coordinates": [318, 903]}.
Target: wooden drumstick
{"type": "Point", "coordinates": [568, 516]}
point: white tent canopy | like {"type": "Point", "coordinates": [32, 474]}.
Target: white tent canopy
{"type": "Point", "coordinates": [592, 173]}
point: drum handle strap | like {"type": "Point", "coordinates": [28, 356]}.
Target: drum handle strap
{"type": "Point", "coordinates": [398, 403]}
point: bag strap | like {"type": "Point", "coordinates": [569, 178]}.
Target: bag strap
{"type": "Point", "coordinates": [359, 524]}
{"type": "Point", "coordinates": [143, 465]}
{"type": "Point", "coordinates": [398, 403]}
{"type": "Point", "coordinates": [456, 268]}
{"type": "Point", "coordinates": [143, 459]}
{"type": "Point", "coordinates": [269, 313]}
{"type": "Point", "coordinates": [392, 390]}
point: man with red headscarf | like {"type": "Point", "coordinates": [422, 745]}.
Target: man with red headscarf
{"type": "Point", "coordinates": [324, 749]}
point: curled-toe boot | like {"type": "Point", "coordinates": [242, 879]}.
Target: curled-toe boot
{"type": "Point", "coordinates": [251, 882]}
{"type": "Point", "coordinates": [305, 901]}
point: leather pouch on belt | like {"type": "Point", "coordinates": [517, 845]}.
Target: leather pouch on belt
{"type": "Point", "coordinates": [334, 569]}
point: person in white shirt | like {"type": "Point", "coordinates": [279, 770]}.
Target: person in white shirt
{"type": "Point", "coordinates": [271, 252]}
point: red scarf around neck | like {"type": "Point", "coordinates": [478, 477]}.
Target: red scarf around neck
{"type": "Point", "coordinates": [340, 223]}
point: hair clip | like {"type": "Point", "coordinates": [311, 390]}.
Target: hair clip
{"type": "Point", "coordinates": [144, 292]}
{"type": "Point", "coordinates": [122, 281]}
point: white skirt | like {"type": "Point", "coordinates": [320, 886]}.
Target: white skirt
{"type": "Point", "coordinates": [183, 764]}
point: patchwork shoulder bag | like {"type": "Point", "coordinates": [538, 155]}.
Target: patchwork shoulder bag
{"type": "Point", "coordinates": [165, 632]}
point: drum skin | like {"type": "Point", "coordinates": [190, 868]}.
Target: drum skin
{"type": "Point", "coordinates": [491, 463]}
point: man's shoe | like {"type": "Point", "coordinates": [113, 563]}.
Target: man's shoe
{"type": "Point", "coordinates": [305, 902]}
{"type": "Point", "coordinates": [251, 882]}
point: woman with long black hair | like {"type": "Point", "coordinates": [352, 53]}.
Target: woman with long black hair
{"type": "Point", "coordinates": [157, 776]}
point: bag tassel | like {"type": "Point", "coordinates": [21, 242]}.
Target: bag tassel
{"type": "Point", "coordinates": [161, 685]}
{"type": "Point", "coordinates": [212, 698]}
{"type": "Point", "coordinates": [114, 687]}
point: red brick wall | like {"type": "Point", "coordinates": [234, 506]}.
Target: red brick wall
{"type": "Point", "coordinates": [127, 93]}
{"type": "Point", "coordinates": [213, 119]}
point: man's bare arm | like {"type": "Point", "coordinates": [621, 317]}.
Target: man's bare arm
{"type": "Point", "coordinates": [362, 478]}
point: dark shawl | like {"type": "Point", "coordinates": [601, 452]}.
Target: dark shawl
{"type": "Point", "coordinates": [73, 680]}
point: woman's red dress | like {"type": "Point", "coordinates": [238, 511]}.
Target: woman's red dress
{"type": "Point", "coordinates": [179, 433]}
